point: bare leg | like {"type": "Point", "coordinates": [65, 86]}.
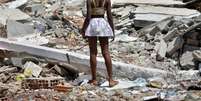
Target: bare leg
{"type": "Point", "coordinates": [106, 54]}
{"type": "Point", "coordinates": [93, 54]}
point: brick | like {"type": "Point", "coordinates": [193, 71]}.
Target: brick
{"type": "Point", "coordinates": [41, 83]}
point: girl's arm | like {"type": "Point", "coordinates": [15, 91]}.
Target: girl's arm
{"type": "Point", "coordinates": [88, 17]}
{"type": "Point", "coordinates": [109, 15]}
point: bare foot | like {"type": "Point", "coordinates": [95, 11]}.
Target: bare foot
{"type": "Point", "coordinates": [112, 83]}
{"type": "Point", "coordinates": [93, 82]}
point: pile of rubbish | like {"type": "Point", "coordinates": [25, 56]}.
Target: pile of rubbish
{"type": "Point", "coordinates": [163, 35]}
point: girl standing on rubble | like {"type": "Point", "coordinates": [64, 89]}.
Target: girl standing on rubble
{"type": "Point", "coordinates": [97, 28]}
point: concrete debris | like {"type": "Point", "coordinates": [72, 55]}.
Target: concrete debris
{"type": "Point", "coordinates": [156, 54]}
{"type": "Point", "coordinates": [152, 14]}
{"type": "Point", "coordinates": [16, 4]}
{"type": "Point", "coordinates": [16, 29]}
{"type": "Point", "coordinates": [12, 14]}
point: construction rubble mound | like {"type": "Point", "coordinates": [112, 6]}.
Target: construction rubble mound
{"type": "Point", "coordinates": [156, 53]}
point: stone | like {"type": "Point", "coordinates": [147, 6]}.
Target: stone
{"type": "Point", "coordinates": [161, 53]}
{"type": "Point", "coordinates": [173, 46]}
{"type": "Point", "coordinates": [16, 29]}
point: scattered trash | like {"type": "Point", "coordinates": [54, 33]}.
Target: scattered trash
{"type": "Point", "coordinates": [139, 82]}
{"type": "Point", "coordinates": [31, 68]}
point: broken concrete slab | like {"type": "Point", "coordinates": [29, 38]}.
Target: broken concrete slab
{"type": "Point", "coordinates": [174, 45]}
{"type": "Point", "coordinates": [120, 69]}
{"type": "Point", "coordinates": [161, 51]}
{"type": "Point", "coordinates": [16, 29]}
{"type": "Point", "coordinates": [12, 14]}
{"type": "Point", "coordinates": [33, 49]}
{"type": "Point", "coordinates": [150, 14]}
{"type": "Point", "coordinates": [183, 12]}
{"type": "Point", "coordinates": [16, 3]}
{"type": "Point", "coordinates": [142, 20]}
{"type": "Point", "coordinates": [148, 2]}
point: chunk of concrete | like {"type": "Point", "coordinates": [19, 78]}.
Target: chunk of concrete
{"type": "Point", "coordinates": [16, 29]}
{"type": "Point", "coordinates": [186, 61]}
{"type": "Point", "coordinates": [161, 51]}
{"type": "Point", "coordinates": [12, 14]}
{"type": "Point", "coordinates": [176, 44]}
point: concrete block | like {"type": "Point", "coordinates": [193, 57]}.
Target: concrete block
{"type": "Point", "coordinates": [16, 29]}
{"type": "Point", "coordinates": [162, 51]}
{"type": "Point", "coordinates": [186, 61]}
{"type": "Point", "coordinates": [174, 45]}
{"type": "Point", "coordinates": [12, 14]}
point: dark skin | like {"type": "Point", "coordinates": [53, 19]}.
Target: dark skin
{"type": "Point", "coordinates": [104, 43]}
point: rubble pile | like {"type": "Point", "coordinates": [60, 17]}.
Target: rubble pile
{"type": "Point", "coordinates": [160, 35]}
